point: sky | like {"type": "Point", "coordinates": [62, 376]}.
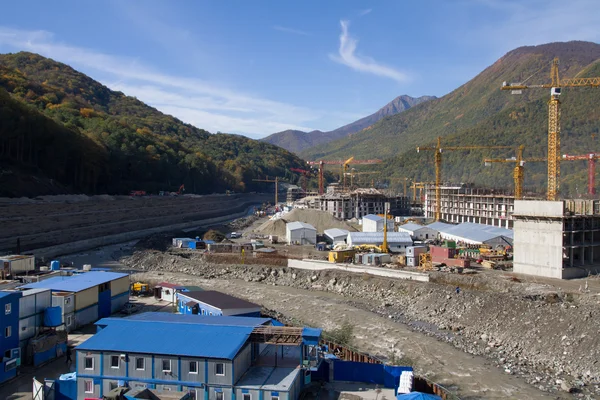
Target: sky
{"type": "Point", "coordinates": [260, 67]}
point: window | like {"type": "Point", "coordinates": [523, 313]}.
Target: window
{"type": "Point", "coordinates": [139, 363]}
{"type": "Point", "coordinates": [247, 396]}
{"type": "Point", "coordinates": [69, 320]}
{"type": "Point", "coordinates": [67, 300]}
{"type": "Point", "coordinates": [193, 367]}
{"type": "Point", "coordinates": [89, 363]}
{"type": "Point", "coordinates": [218, 395]}
{"type": "Point", "coordinates": [88, 386]}
{"type": "Point", "coordinates": [8, 332]}
{"type": "Point", "coordinates": [114, 361]}
{"type": "Point", "coordinates": [166, 365]}
{"type": "Point", "coordinates": [274, 397]}
{"type": "Point", "coordinates": [210, 313]}
{"type": "Point", "coordinates": [220, 369]}
{"type": "Point", "coordinates": [7, 308]}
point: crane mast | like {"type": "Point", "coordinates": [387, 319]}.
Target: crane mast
{"type": "Point", "coordinates": [554, 119]}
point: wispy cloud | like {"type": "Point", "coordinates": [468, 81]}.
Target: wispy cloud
{"type": "Point", "coordinates": [208, 106]}
{"type": "Point", "coordinates": [364, 12]}
{"type": "Point", "coordinates": [291, 30]}
{"type": "Point", "coordinates": [347, 56]}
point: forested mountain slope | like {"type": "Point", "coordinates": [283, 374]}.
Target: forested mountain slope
{"type": "Point", "coordinates": [62, 125]}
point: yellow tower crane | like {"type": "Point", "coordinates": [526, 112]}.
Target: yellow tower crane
{"type": "Point", "coordinates": [438, 168]}
{"type": "Point", "coordinates": [344, 170]}
{"type": "Point", "coordinates": [554, 118]}
{"type": "Point", "coordinates": [518, 173]}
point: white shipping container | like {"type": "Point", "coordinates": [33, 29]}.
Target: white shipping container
{"type": "Point", "coordinates": [86, 316]}
{"type": "Point", "coordinates": [118, 286]}
{"type": "Point", "coordinates": [64, 300]}
{"type": "Point", "coordinates": [18, 263]}
{"type": "Point", "coordinates": [34, 301]}
{"type": "Point", "coordinates": [28, 327]}
{"type": "Point", "coordinates": [86, 298]}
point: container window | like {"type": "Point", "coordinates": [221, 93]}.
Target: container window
{"type": "Point", "coordinates": [220, 369]}
{"type": "Point", "coordinates": [114, 361]}
{"type": "Point", "coordinates": [218, 395]}
{"type": "Point", "coordinates": [67, 300]}
{"type": "Point", "coordinates": [139, 363]}
{"type": "Point", "coordinates": [166, 365]}
{"type": "Point", "coordinates": [69, 320]}
{"type": "Point", "coordinates": [274, 397]}
{"type": "Point", "coordinates": [7, 308]}
{"type": "Point", "coordinates": [193, 367]}
{"type": "Point", "coordinates": [89, 386]}
{"type": "Point", "coordinates": [89, 363]}
{"type": "Point", "coordinates": [247, 396]}
{"type": "Point", "coordinates": [8, 332]}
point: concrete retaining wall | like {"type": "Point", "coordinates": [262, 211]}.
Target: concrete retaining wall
{"type": "Point", "coordinates": [314, 265]}
{"type": "Point", "coordinates": [82, 245]}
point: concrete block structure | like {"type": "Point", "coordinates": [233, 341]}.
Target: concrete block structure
{"type": "Point", "coordinates": [210, 302]}
{"type": "Point", "coordinates": [96, 294]}
{"type": "Point", "coordinates": [9, 334]}
{"type": "Point", "coordinates": [374, 223]}
{"type": "Point", "coordinates": [300, 233]}
{"type": "Point", "coordinates": [360, 202]}
{"type": "Point", "coordinates": [557, 239]}
{"type": "Point", "coordinates": [222, 358]}
{"type": "Point", "coordinates": [464, 204]}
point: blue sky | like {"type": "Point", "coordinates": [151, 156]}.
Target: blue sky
{"type": "Point", "coordinates": [258, 67]}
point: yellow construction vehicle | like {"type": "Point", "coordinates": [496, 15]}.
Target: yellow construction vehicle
{"type": "Point", "coordinates": [368, 247]}
{"type": "Point", "coordinates": [139, 289]}
{"type": "Point", "coordinates": [425, 263]}
{"type": "Point", "coordinates": [341, 256]}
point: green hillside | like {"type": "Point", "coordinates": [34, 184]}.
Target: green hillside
{"type": "Point", "coordinates": [64, 126]}
{"type": "Point", "coordinates": [479, 113]}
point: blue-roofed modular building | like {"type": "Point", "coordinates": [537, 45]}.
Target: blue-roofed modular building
{"type": "Point", "coordinates": [215, 303]}
{"type": "Point", "coordinates": [225, 358]}
{"type": "Point", "coordinates": [95, 295]}
{"type": "Point", "coordinates": [9, 334]}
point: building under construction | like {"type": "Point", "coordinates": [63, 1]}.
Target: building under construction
{"type": "Point", "coordinates": [557, 239]}
{"type": "Point", "coordinates": [465, 204]}
{"type": "Point", "coordinates": [358, 203]}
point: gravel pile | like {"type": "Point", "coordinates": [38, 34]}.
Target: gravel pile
{"type": "Point", "coordinates": [546, 336]}
{"type": "Point", "coordinates": [321, 220]}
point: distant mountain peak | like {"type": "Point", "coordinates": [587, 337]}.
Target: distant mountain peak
{"type": "Point", "coordinates": [296, 141]}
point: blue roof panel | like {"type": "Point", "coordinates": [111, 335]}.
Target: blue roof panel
{"type": "Point", "coordinates": [167, 338]}
{"type": "Point", "coordinates": [191, 319]}
{"type": "Point", "coordinates": [75, 283]}
{"type": "Point", "coordinates": [7, 294]}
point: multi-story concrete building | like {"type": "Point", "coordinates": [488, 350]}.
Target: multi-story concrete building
{"type": "Point", "coordinates": [465, 204]}
{"type": "Point", "coordinates": [360, 202]}
{"type": "Point", "coordinates": [210, 358]}
{"type": "Point", "coordinates": [557, 239]}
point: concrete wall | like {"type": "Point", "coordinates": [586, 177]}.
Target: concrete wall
{"type": "Point", "coordinates": [538, 246]}
{"type": "Point", "coordinates": [313, 265]}
{"type": "Point", "coordinates": [537, 208]}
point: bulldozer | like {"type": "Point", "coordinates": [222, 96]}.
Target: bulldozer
{"type": "Point", "coordinates": [139, 289]}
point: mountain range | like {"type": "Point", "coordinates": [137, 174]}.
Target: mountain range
{"type": "Point", "coordinates": [297, 141]}
{"type": "Point", "coordinates": [479, 113]}
{"type": "Point", "coordinates": [62, 131]}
